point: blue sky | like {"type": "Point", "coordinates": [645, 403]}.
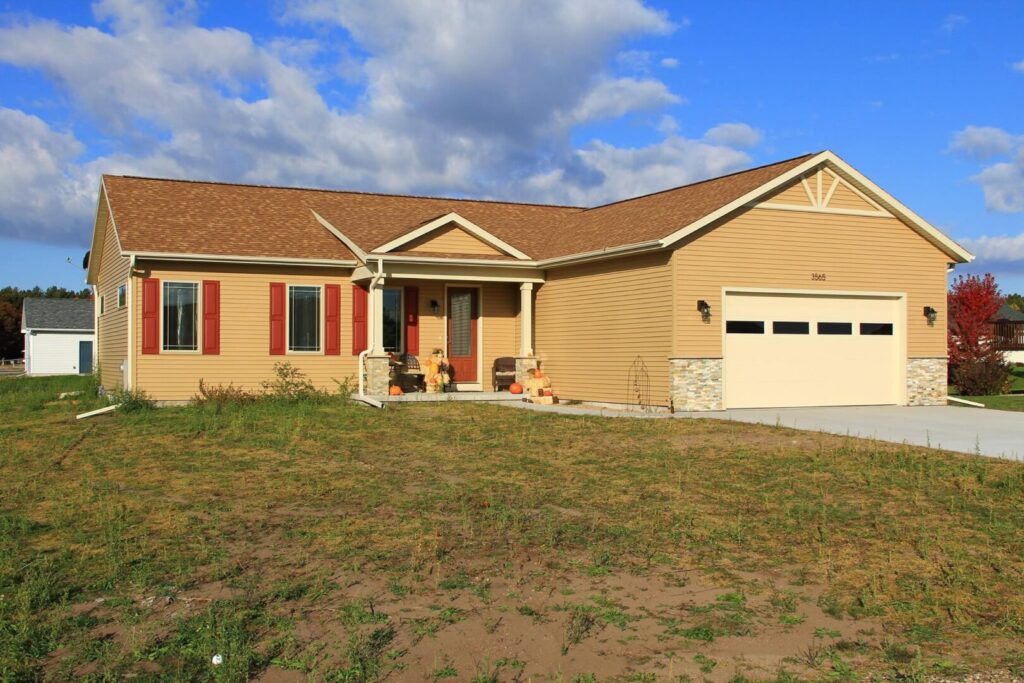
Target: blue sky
{"type": "Point", "coordinates": [545, 101]}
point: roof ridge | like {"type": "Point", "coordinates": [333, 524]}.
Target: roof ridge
{"type": "Point", "coordinates": [706, 180]}
{"type": "Point", "coordinates": [358, 192]}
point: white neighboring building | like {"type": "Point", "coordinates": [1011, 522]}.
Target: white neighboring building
{"type": "Point", "coordinates": [60, 336]}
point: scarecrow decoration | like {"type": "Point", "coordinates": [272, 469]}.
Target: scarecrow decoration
{"type": "Point", "coordinates": [436, 373]}
{"type": "Point", "coordinates": [538, 388]}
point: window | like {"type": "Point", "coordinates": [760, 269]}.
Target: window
{"type": "Point", "coordinates": [873, 329]}
{"type": "Point", "coordinates": [786, 327]}
{"type": "Point", "coordinates": [393, 327]}
{"type": "Point", "coordinates": [103, 300]}
{"type": "Point", "coordinates": [744, 327]}
{"type": "Point", "coordinates": [122, 296]}
{"type": "Point", "coordinates": [303, 318]}
{"type": "Point", "coordinates": [835, 328]}
{"type": "Point", "coordinates": [181, 312]}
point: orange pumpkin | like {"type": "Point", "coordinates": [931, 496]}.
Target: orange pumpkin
{"type": "Point", "coordinates": [515, 388]}
{"type": "Point", "coordinates": [396, 391]}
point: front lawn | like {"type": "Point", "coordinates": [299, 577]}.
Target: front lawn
{"type": "Point", "coordinates": [999, 402]}
{"type": "Point", "coordinates": [459, 541]}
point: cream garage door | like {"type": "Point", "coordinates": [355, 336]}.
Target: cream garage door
{"type": "Point", "coordinates": [802, 350]}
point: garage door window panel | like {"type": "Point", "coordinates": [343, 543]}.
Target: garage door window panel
{"type": "Point", "coordinates": [835, 328]}
{"type": "Point", "coordinates": [876, 329]}
{"type": "Point", "coordinates": [744, 327]}
{"type": "Point", "coordinates": [790, 327]}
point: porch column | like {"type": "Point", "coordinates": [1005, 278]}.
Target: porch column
{"type": "Point", "coordinates": [376, 318]}
{"type": "Point", "coordinates": [526, 319]}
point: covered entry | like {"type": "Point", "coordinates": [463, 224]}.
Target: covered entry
{"type": "Point", "coordinates": [803, 349]}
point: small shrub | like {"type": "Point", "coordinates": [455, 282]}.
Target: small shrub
{"type": "Point", "coordinates": [131, 400]}
{"type": "Point", "coordinates": [220, 395]}
{"type": "Point", "coordinates": [982, 377]}
{"type": "Point", "coordinates": [292, 384]}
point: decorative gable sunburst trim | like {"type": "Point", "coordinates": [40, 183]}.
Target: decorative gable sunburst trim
{"type": "Point", "coordinates": [820, 198]}
{"type": "Point", "coordinates": [464, 223]}
{"type": "Point", "coordinates": [834, 163]}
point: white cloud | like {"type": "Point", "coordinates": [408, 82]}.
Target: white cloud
{"type": "Point", "coordinates": [1002, 248]}
{"type": "Point", "coordinates": [617, 172]}
{"type": "Point", "coordinates": [37, 195]}
{"type": "Point", "coordinates": [1003, 181]}
{"type": "Point", "coordinates": [669, 62]}
{"type": "Point", "coordinates": [952, 22]}
{"type": "Point", "coordinates": [1019, 66]}
{"type": "Point", "coordinates": [733, 135]}
{"type": "Point", "coordinates": [613, 98]}
{"type": "Point", "coordinates": [983, 142]}
{"type": "Point", "coordinates": [457, 97]}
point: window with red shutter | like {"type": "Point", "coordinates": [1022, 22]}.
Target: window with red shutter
{"type": "Point", "coordinates": [412, 320]}
{"type": "Point", "coordinates": [277, 318]}
{"type": "Point", "coordinates": [211, 317]}
{"type": "Point", "coordinates": [150, 315]}
{"type": "Point", "coordinates": [360, 306]}
{"type": "Point", "coordinates": [332, 320]}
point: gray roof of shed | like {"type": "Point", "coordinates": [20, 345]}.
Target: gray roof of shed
{"type": "Point", "coordinates": [58, 314]}
{"type": "Point", "coordinates": [1008, 312]}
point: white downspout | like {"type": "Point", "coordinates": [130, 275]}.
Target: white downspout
{"type": "Point", "coordinates": [370, 323]}
{"type": "Point", "coordinates": [129, 362]}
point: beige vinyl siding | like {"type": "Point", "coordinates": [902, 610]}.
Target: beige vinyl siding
{"type": "Point", "coordinates": [594, 320]}
{"type": "Point", "coordinates": [781, 249]}
{"type": "Point", "coordinates": [450, 240]}
{"type": "Point", "coordinates": [794, 194]}
{"type": "Point", "coordinates": [112, 325]}
{"type": "Point", "coordinates": [499, 308]}
{"type": "Point", "coordinates": [846, 198]}
{"type": "Point", "coordinates": [244, 358]}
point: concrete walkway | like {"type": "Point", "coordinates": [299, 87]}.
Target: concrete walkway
{"type": "Point", "coordinates": [994, 433]}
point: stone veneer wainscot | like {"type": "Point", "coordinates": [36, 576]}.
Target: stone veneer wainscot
{"type": "Point", "coordinates": [926, 381]}
{"type": "Point", "coordinates": [696, 383]}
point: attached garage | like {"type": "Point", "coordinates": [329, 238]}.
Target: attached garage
{"type": "Point", "coordinates": [786, 349]}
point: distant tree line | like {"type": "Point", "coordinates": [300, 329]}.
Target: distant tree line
{"type": "Point", "coordinates": [1016, 301]}
{"type": "Point", "coordinates": [12, 343]}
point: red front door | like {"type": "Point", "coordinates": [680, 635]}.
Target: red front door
{"type": "Point", "coordinates": [463, 312]}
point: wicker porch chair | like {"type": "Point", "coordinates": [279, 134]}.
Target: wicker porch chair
{"type": "Point", "coordinates": [503, 373]}
{"type": "Point", "coordinates": [409, 376]}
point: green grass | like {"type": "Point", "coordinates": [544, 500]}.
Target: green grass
{"type": "Point", "coordinates": [187, 532]}
{"type": "Point", "coordinates": [1017, 375]}
{"type": "Point", "coordinates": [999, 402]}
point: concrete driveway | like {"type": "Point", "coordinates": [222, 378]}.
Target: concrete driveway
{"type": "Point", "coordinates": [996, 433]}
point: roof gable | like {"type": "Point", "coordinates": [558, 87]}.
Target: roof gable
{"type": "Point", "coordinates": [452, 234]}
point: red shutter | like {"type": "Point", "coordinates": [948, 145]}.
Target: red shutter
{"type": "Point", "coordinates": [277, 318]}
{"type": "Point", "coordinates": [412, 320]}
{"type": "Point", "coordinates": [150, 315]}
{"type": "Point", "coordinates": [360, 306]}
{"type": "Point", "coordinates": [332, 320]}
{"type": "Point", "coordinates": [211, 317]}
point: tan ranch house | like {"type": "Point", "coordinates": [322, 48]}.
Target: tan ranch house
{"type": "Point", "coordinates": [799, 283]}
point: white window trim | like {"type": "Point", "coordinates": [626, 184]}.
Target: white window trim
{"type": "Point", "coordinates": [288, 321]}
{"type": "Point", "coordinates": [198, 351]}
{"type": "Point", "coordinates": [401, 319]}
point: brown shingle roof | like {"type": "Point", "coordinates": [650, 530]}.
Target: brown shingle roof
{"type": "Point", "coordinates": [191, 217]}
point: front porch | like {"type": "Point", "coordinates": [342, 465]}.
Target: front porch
{"type": "Point", "coordinates": [471, 319]}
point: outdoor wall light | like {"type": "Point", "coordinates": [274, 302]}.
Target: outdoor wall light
{"type": "Point", "coordinates": [705, 309]}
{"type": "Point", "coordinates": [930, 313]}
{"type": "Point", "coordinates": [435, 307]}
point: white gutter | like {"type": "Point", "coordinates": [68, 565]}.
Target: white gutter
{"type": "Point", "coordinates": [227, 258]}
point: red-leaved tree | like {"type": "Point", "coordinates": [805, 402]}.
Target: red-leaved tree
{"type": "Point", "coordinates": [978, 367]}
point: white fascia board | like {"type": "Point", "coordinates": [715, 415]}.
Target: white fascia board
{"type": "Point", "coordinates": [228, 258]}
{"type": "Point", "coordinates": [466, 224]}
{"type": "Point", "coordinates": [94, 247]}
{"type": "Point", "coordinates": [947, 244]}
{"type": "Point", "coordinates": [345, 239]}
